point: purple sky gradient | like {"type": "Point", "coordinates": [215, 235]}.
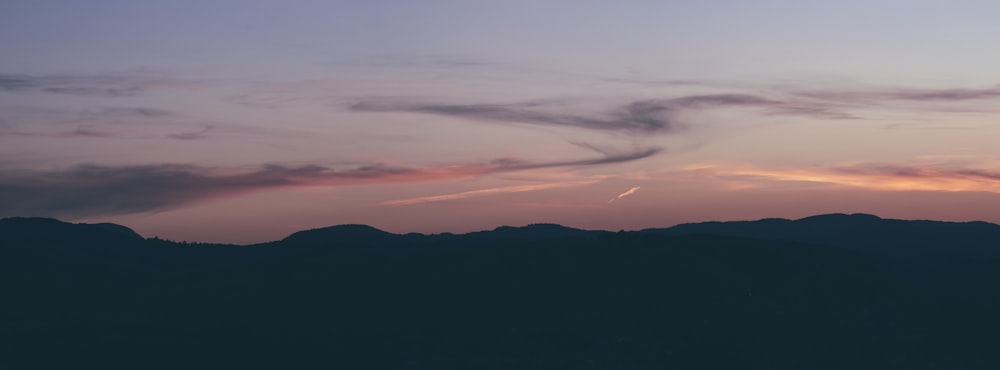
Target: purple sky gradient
{"type": "Point", "coordinates": [236, 122]}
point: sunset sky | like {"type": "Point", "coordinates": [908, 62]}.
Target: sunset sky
{"type": "Point", "coordinates": [244, 121]}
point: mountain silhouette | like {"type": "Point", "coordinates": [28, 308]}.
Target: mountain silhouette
{"type": "Point", "coordinates": [351, 234]}
{"type": "Point", "coordinates": [830, 291]}
{"type": "Point", "coordinates": [862, 232]}
{"type": "Point", "coordinates": [535, 232]}
{"type": "Point", "coordinates": [961, 259]}
{"type": "Point", "coordinates": [37, 229]}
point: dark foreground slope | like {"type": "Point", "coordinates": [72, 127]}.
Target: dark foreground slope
{"type": "Point", "coordinates": [953, 260]}
{"type": "Point", "coordinates": [355, 297]}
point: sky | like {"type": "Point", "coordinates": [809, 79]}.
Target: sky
{"type": "Point", "coordinates": [242, 122]}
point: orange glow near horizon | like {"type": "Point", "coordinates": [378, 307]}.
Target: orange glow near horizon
{"type": "Point", "coordinates": [872, 178]}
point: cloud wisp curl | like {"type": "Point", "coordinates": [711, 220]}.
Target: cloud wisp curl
{"type": "Point", "coordinates": [638, 117]}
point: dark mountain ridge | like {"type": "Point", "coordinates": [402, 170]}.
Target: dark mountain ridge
{"type": "Point", "coordinates": [848, 230]}
{"type": "Point", "coordinates": [49, 229]}
{"type": "Point", "coordinates": [960, 259]}
{"type": "Point", "coordinates": [536, 232]}
{"type": "Point", "coordinates": [819, 292]}
{"type": "Point", "coordinates": [341, 233]}
{"type": "Point", "coordinates": [862, 232]}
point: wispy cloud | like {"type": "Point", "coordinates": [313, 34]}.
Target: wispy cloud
{"type": "Point", "coordinates": [931, 126]}
{"type": "Point", "coordinates": [103, 190]}
{"type": "Point", "coordinates": [483, 192]}
{"type": "Point", "coordinates": [192, 135]}
{"type": "Point", "coordinates": [874, 176]}
{"type": "Point", "coordinates": [508, 164]}
{"type": "Point", "coordinates": [876, 95]}
{"type": "Point", "coordinates": [86, 132]}
{"type": "Point", "coordinates": [636, 117]}
{"type": "Point", "coordinates": [121, 122]}
{"type": "Point", "coordinates": [71, 85]}
{"type": "Point", "coordinates": [644, 116]}
{"type": "Point", "coordinates": [946, 94]}
{"type": "Point", "coordinates": [79, 132]}
{"type": "Point", "coordinates": [625, 194]}
{"type": "Point", "coordinates": [132, 112]}
{"type": "Point", "coordinates": [55, 116]}
{"type": "Point", "coordinates": [419, 61]}
{"type": "Point", "coordinates": [107, 85]}
{"type": "Point", "coordinates": [91, 131]}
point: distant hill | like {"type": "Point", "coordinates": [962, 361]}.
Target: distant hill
{"type": "Point", "coordinates": [38, 230]}
{"type": "Point", "coordinates": [825, 292]}
{"type": "Point", "coordinates": [862, 232]}
{"type": "Point", "coordinates": [536, 232]}
{"type": "Point", "coordinates": [960, 259]}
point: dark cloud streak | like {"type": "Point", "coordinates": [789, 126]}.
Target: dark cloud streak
{"type": "Point", "coordinates": [104, 190]}
{"type": "Point", "coordinates": [918, 172]}
{"type": "Point", "coordinates": [89, 132]}
{"type": "Point", "coordinates": [136, 112]}
{"type": "Point", "coordinates": [110, 85]}
{"type": "Point", "coordinates": [915, 95]}
{"type": "Point", "coordinates": [607, 159]}
{"type": "Point", "coordinates": [114, 86]}
{"type": "Point", "coordinates": [193, 135]}
{"type": "Point", "coordinates": [638, 117]}
{"type": "Point", "coordinates": [101, 190]}
{"type": "Point", "coordinates": [627, 120]}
